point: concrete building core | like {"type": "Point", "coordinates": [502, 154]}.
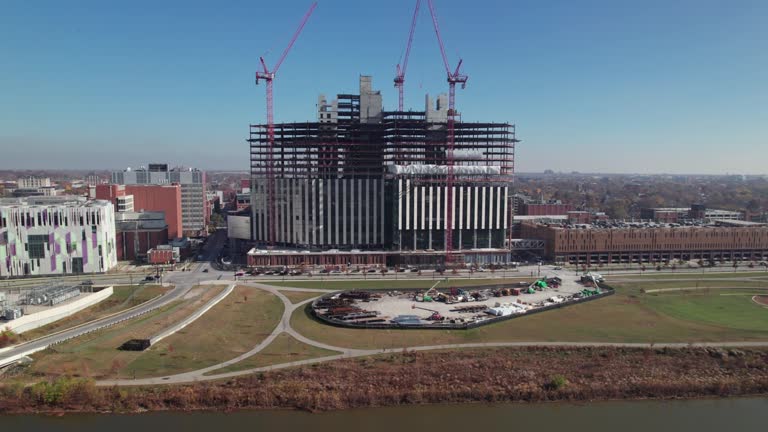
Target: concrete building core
{"type": "Point", "coordinates": [364, 178]}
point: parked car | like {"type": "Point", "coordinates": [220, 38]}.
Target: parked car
{"type": "Point", "coordinates": [205, 270]}
{"type": "Point", "coordinates": [239, 274]}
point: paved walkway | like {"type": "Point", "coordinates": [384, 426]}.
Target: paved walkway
{"type": "Point", "coordinates": [285, 327]}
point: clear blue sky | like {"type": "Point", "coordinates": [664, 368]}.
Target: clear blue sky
{"type": "Point", "coordinates": [598, 86]}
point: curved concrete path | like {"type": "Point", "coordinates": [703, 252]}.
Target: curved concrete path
{"type": "Point", "coordinates": [284, 326]}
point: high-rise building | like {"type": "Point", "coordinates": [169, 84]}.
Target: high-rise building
{"type": "Point", "coordinates": [194, 205]}
{"type": "Point", "coordinates": [361, 177]}
{"type": "Point", "coordinates": [56, 235]}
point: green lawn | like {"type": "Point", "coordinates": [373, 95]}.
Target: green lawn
{"type": "Point", "coordinates": [396, 284]}
{"type": "Point", "coordinates": [703, 283]}
{"type": "Point", "coordinates": [123, 297]}
{"type": "Point", "coordinates": [653, 274]}
{"type": "Point", "coordinates": [627, 316]}
{"type": "Point", "coordinates": [730, 311]}
{"type": "Point", "coordinates": [285, 348]}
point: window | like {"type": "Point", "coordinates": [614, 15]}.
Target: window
{"type": "Point", "coordinates": [36, 245]}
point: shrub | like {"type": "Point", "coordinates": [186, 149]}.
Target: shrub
{"type": "Point", "coordinates": [8, 337]}
{"type": "Point", "coordinates": [557, 382]}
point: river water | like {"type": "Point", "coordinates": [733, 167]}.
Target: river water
{"type": "Point", "coordinates": [722, 415]}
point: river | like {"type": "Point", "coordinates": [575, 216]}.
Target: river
{"type": "Point", "coordinates": [719, 415]}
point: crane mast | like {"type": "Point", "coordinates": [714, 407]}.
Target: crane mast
{"type": "Point", "coordinates": [454, 78]}
{"type": "Point", "coordinates": [269, 76]}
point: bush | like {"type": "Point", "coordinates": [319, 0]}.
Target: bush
{"type": "Point", "coordinates": [557, 382]}
{"type": "Point", "coordinates": [8, 338]}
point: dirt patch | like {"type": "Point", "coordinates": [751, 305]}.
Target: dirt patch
{"type": "Point", "coordinates": [761, 300]}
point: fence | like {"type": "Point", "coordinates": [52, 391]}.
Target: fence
{"type": "Point", "coordinates": [606, 290]}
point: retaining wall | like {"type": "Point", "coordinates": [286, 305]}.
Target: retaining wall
{"type": "Point", "coordinates": [187, 321]}
{"type": "Point", "coordinates": [45, 317]}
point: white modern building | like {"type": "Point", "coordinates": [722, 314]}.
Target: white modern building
{"type": "Point", "coordinates": [194, 203]}
{"type": "Point", "coordinates": [34, 182]}
{"type": "Point", "coordinates": [56, 235]}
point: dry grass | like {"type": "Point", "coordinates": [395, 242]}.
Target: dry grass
{"type": "Point", "coordinates": [298, 296]}
{"type": "Point", "coordinates": [232, 327]}
{"type": "Point", "coordinates": [95, 355]}
{"type": "Point", "coordinates": [488, 375]}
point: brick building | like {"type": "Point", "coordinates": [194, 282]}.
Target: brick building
{"type": "Point", "coordinates": [544, 209]}
{"type": "Point", "coordinates": [146, 197]}
{"type": "Point", "coordinates": [642, 243]}
{"type": "Point", "coordinates": [137, 233]}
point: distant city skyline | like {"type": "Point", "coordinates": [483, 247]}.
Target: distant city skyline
{"type": "Point", "coordinates": [593, 86]}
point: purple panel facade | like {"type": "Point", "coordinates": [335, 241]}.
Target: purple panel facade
{"type": "Point", "coordinates": [85, 252]}
{"type": "Point", "coordinates": [94, 239]}
{"type": "Point", "coordinates": [53, 262]}
{"type": "Point", "coordinates": [13, 249]}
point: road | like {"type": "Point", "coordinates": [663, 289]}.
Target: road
{"type": "Point", "coordinates": [182, 282]}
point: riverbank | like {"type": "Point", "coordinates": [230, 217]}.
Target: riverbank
{"type": "Point", "coordinates": [482, 375]}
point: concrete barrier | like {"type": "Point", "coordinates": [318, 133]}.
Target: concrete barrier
{"type": "Point", "coordinates": [45, 317]}
{"type": "Point", "coordinates": [190, 319]}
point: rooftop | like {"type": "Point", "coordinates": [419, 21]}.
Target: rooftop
{"type": "Point", "coordinates": [52, 201]}
{"type": "Point", "coordinates": [688, 224]}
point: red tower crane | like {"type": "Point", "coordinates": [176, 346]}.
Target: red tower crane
{"type": "Point", "coordinates": [400, 78]}
{"type": "Point", "coordinates": [453, 78]}
{"type": "Point", "coordinates": [269, 76]}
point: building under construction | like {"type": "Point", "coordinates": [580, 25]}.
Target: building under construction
{"type": "Point", "coordinates": [361, 178]}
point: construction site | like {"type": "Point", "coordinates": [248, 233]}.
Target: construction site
{"type": "Point", "coordinates": [359, 178]}
{"type": "Point", "coordinates": [443, 306]}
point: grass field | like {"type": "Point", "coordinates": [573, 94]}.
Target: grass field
{"type": "Point", "coordinates": [733, 310]}
{"type": "Point", "coordinates": [652, 274]}
{"type": "Point", "coordinates": [703, 283]}
{"type": "Point", "coordinates": [285, 348]}
{"type": "Point", "coordinates": [123, 297]}
{"type": "Point", "coordinates": [232, 327]}
{"type": "Point", "coordinates": [395, 284]}
{"type": "Point", "coordinates": [627, 316]}
{"type": "Point", "coordinates": [298, 296]}
{"type": "Point", "coordinates": [96, 355]}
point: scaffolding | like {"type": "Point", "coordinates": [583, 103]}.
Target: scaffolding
{"type": "Point", "coordinates": [403, 144]}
